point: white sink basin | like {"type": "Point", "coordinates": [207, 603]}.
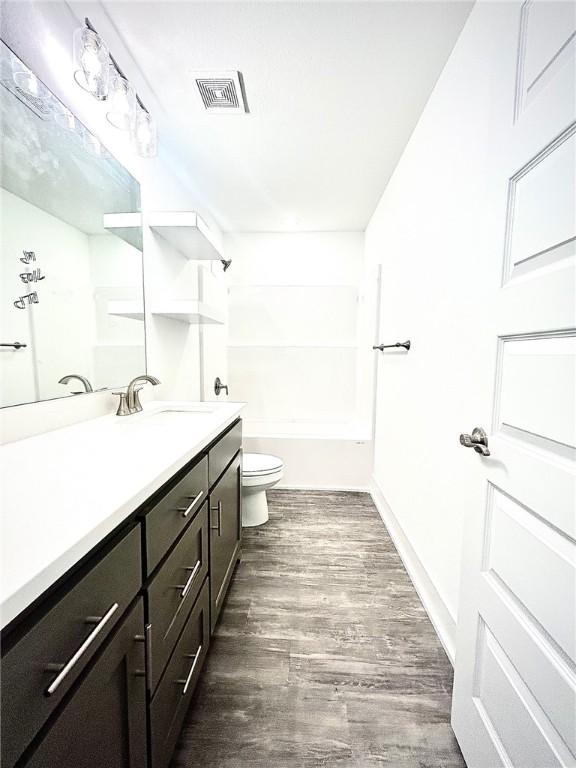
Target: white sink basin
{"type": "Point", "coordinates": [168, 416]}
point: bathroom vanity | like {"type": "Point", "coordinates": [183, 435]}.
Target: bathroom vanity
{"type": "Point", "coordinates": [113, 578]}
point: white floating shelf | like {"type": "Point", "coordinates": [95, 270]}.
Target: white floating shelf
{"type": "Point", "coordinates": [127, 226]}
{"type": "Point", "coordinates": [186, 232]}
{"type": "Point", "coordinates": [189, 311]}
{"type": "Point", "coordinates": [132, 309]}
{"type": "Point", "coordinates": [183, 310]}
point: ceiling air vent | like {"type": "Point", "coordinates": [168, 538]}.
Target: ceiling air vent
{"type": "Point", "coordinates": [221, 92]}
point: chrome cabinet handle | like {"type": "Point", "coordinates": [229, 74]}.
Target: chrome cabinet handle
{"type": "Point", "coordinates": [186, 587]}
{"type": "Point", "coordinates": [477, 440]}
{"type": "Point", "coordinates": [219, 510]}
{"type": "Point", "coordinates": [81, 650]}
{"type": "Point", "coordinates": [147, 639]}
{"type": "Point", "coordinates": [148, 649]}
{"type": "Point", "coordinates": [186, 682]}
{"type": "Point", "coordinates": [186, 510]}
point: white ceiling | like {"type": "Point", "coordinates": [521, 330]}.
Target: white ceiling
{"type": "Point", "coordinates": [334, 91]}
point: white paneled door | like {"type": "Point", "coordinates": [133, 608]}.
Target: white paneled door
{"type": "Point", "coordinates": [514, 698]}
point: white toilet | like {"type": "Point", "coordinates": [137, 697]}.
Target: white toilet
{"type": "Point", "coordinates": [259, 473]}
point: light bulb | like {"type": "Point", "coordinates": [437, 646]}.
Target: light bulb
{"type": "Point", "coordinates": [91, 64]}
{"type": "Point", "coordinates": [122, 100]}
{"type": "Point", "coordinates": [91, 59]}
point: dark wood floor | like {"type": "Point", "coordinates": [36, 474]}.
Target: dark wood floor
{"type": "Point", "coordinates": [324, 655]}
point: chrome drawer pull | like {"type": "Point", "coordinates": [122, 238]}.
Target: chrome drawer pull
{"type": "Point", "coordinates": [186, 587]}
{"type": "Point", "coordinates": [83, 648]}
{"type": "Point", "coordinates": [186, 682]}
{"type": "Point", "coordinates": [219, 510]}
{"type": "Point", "coordinates": [186, 510]}
{"type": "Point", "coordinates": [147, 638]}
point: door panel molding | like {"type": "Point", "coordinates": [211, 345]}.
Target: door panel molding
{"type": "Point", "coordinates": [535, 68]}
{"type": "Point", "coordinates": [519, 257]}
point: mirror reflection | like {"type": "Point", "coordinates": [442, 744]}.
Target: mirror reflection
{"type": "Point", "coordinates": [64, 276]}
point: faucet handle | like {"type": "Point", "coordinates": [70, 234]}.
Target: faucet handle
{"type": "Point", "coordinates": [123, 409]}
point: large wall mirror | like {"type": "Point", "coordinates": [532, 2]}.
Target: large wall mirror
{"type": "Point", "coordinates": [63, 274]}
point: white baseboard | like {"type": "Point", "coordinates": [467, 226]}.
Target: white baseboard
{"type": "Point", "coordinates": [442, 620]}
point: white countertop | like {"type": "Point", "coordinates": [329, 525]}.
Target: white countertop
{"type": "Point", "coordinates": [62, 492]}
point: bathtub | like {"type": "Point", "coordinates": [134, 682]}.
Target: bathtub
{"type": "Point", "coordinates": [318, 455]}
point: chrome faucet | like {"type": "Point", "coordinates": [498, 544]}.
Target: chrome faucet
{"type": "Point", "coordinates": [132, 399]}
{"type": "Point", "coordinates": [83, 379]}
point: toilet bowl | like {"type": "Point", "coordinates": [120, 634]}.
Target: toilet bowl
{"type": "Point", "coordinates": [259, 473]}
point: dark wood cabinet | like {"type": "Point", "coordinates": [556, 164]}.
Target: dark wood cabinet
{"type": "Point", "coordinates": [223, 451]}
{"type": "Point", "coordinates": [101, 671]}
{"type": "Point", "coordinates": [173, 591]}
{"type": "Point", "coordinates": [172, 698]}
{"type": "Point", "coordinates": [104, 721]}
{"type": "Point", "coordinates": [40, 667]}
{"type": "Point", "coordinates": [171, 510]}
{"type": "Point", "coordinates": [225, 533]}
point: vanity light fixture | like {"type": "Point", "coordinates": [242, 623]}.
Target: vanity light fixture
{"type": "Point", "coordinates": [144, 134]}
{"type": "Point", "coordinates": [98, 72]}
{"type": "Point", "coordinates": [92, 62]}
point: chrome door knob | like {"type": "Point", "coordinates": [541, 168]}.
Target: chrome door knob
{"type": "Point", "coordinates": [477, 440]}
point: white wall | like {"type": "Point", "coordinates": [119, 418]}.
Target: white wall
{"type": "Point", "coordinates": [432, 231]}
{"type": "Point", "coordinates": [41, 34]}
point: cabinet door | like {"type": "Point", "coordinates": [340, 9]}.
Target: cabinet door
{"type": "Point", "coordinates": [104, 722]}
{"type": "Point", "coordinates": [225, 532]}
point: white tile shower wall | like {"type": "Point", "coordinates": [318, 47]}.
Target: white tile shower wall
{"type": "Point", "coordinates": [41, 34]}
{"type": "Point", "coordinates": [295, 325]}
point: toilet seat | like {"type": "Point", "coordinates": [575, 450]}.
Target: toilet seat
{"type": "Point", "coordinates": [260, 465]}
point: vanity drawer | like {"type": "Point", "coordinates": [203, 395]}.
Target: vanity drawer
{"type": "Point", "coordinates": [67, 635]}
{"type": "Point", "coordinates": [172, 513]}
{"type": "Point", "coordinates": [222, 453]}
{"type": "Point", "coordinates": [174, 589]}
{"type": "Point", "coordinates": [169, 704]}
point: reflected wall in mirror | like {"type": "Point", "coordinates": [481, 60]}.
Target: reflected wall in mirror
{"type": "Point", "coordinates": [71, 291]}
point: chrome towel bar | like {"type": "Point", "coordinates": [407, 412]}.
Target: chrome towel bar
{"type": "Point", "coordinates": [404, 344]}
